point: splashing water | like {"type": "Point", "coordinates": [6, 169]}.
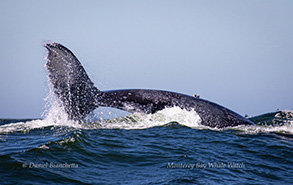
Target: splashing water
{"type": "Point", "coordinates": [144, 121]}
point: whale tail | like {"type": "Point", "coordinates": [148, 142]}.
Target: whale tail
{"type": "Point", "coordinates": [70, 82]}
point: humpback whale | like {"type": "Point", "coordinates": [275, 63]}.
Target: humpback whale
{"type": "Point", "coordinates": [79, 96]}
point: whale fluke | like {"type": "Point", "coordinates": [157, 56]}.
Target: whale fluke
{"type": "Point", "coordinates": [70, 82]}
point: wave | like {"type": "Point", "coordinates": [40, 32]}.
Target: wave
{"type": "Point", "coordinates": [276, 122]}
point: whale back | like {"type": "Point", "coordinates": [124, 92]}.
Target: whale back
{"type": "Point", "coordinates": [150, 101]}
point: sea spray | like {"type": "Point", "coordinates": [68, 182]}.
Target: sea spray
{"type": "Point", "coordinates": [160, 118]}
{"type": "Point", "coordinates": [54, 113]}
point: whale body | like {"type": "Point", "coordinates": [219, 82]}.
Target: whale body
{"type": "Point", "coordinates": [79, 96]}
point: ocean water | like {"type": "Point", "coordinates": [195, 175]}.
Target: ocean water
{"type": "Point", "coordinates": [168, 147]}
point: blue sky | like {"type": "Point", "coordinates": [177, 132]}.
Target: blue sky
{"type": "Point", "coordinates": [235, 53]}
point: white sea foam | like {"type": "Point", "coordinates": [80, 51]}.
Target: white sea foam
{"type": "Point", "coordinates": [56, 116]}
{"type": "Point", "coordinates": [282, 124]}
{"type": "Point", "coordinates": [160, 118]}
{"type": "Point", "coordinates": [255, 129]}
